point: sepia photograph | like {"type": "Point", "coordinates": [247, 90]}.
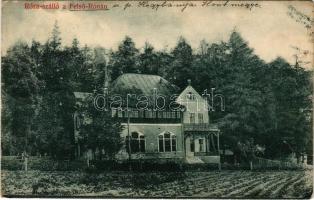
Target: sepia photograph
{"type": "Point", "coordinates": [157, 99]}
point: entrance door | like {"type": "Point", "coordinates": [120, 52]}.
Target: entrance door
{"type": "Point", "coordinates": [189, 146]}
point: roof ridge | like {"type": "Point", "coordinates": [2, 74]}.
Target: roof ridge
{"type": "Point", "coordinates": [140, 74]}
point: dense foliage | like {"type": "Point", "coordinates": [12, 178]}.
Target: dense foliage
{"type": "Point", "coordinates": [100, 132]}
{"type": "Point", "coordinates": [265, 103]}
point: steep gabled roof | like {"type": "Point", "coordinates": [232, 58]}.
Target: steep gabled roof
{"type": "Point", "coordinates": [145, 83]}
{"type": "Point", "coordinates": [188, 89]}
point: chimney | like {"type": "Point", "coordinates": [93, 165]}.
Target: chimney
{"type": "Point", "coordinates": [189, 82]}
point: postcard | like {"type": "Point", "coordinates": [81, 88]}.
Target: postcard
{"type": "Point", "coordinates": [157, 99]}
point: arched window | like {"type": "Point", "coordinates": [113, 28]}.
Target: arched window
{"type": "Point", "coordinates": [137, 142]}
{"type": "Point", "coordinates": [167, 142]}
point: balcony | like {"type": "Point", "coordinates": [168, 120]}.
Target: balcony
{"type": "Point", "coordinates": [200, 127]}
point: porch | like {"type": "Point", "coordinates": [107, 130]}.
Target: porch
{"type": "Point", "coordinates": [201, 143]}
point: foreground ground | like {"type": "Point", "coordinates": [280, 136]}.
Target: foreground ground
{"type": "Point", "coordinates": [213, 184]}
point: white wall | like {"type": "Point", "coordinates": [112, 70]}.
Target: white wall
{"type": "Point", "coordinates": [196, 105]}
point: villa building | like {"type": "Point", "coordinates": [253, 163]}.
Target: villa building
{"type": "Point", "coordinates": [165, 123]}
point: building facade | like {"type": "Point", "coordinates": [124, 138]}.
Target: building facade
{"type": "Point", "coordinates": [163, 124]}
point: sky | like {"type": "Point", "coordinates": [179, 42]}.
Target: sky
{"type": "Point", "coordinates": [269, 30]}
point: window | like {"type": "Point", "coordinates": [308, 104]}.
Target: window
{"type": "Point", "coordinates": [178, 115]}
{"type": "Point", "coordinates": [167, 142]}
{"type": "Point", "coordinates": [125, 113]}
{"type": "Point", "coordinates": [173, 143]}
{"type": "Point", "coordinates": [192, 118]}
{"type": "Point", "coordinates": [201, 142]}
{"type": "Point", "coordinates": [173, 115]}
{"type": "Point", "coordinates": [200, 118]}
{"type": "Point", "coordinates": [148, 114]}
{"type": "Point", "coordinates": [120, 113]}
{"type": "Point", "coordinates": [137, 143]}
{"type": "Point", "coordinates": [192, 145]}
{"type": "Point", "coordinates": [113, 112]}
{"type": "Point", "coordinates": [133, 113]}
{"type": "Point", "coordinates": [161, 143]}
{"type": "Point", "coordinates": [160, 114]}
{"type": "Point", "coordinates": [153, 114]}
{"type": "Point", "coordinates": [141, 114]}
{"type": "Point", "coordinates": [190, 96]}
{"type": "Point", "coordinates": [142, 143]}
{"type": "Point", "coordinates": [164, 115]}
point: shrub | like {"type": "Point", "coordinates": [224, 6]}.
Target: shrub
{"type": "Point", "coordinates": [42, 164]}
{"type": "Point", "coordinates": [12, 164]}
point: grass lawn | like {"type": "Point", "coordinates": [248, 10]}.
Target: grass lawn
{"type": "Point", "coordinates": [212, 184]}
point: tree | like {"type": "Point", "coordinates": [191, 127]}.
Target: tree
{"type": "Point", "coordinates": [291, 91]}
{"type": "Point", "coordinates": [210, 67]}
{"type": "Point", "coordinates": [244, 103]}
{"type": "Point", "coordinates": [180, 70]}
{"type": "Point", "coordinates": [100, 131]}
{"type": "Point", "coordinates": [81, 67]}
{"type": "Point", "coordinates": [101, 72]}
{"type": "Point", "coordinates": [125, 59]}
{"type": "Point", "coordinates": [55, 40]}
{"type": "Point", "coordinates": [203, 48]}
{"type": "Point", "coordinates": [57, 75]}
{"type": "Point", "coordinates": [148, 60]}
{"type": "Point", "coordinates": [51, 137]}
{"type": "Point", "coordinates": [20, 86]}
{"type": "Point", "coordinates": [164, 60]}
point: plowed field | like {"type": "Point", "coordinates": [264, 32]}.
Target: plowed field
{"type": "Point", "coordinates": [213, 184]}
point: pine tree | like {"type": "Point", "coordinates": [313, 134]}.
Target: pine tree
{"type": "Point", "coordinates": [57, 75]}
{"type": "Point", "coordinates": [148, 60]}
{"type": "Point", "coordinates": [21, 86]}
{"type": "Point", "coordinates": [243, 101]}
{"type": "Point", "coordinates": [180, 69]}
{"type": "Point", "coordinates": [101, 73]}
{"type": "Point", "coordinates": [125, 59]}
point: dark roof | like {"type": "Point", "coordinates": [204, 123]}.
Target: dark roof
{"type": "Point", "coordinates": [138, 84]}
{"type": "Point", "coordinates": [145, 83]}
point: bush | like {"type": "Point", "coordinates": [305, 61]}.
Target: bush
{"type": "Point", "coordinates": [42, 164]}
{"type": "Point", "coordinates": [12, 164]}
